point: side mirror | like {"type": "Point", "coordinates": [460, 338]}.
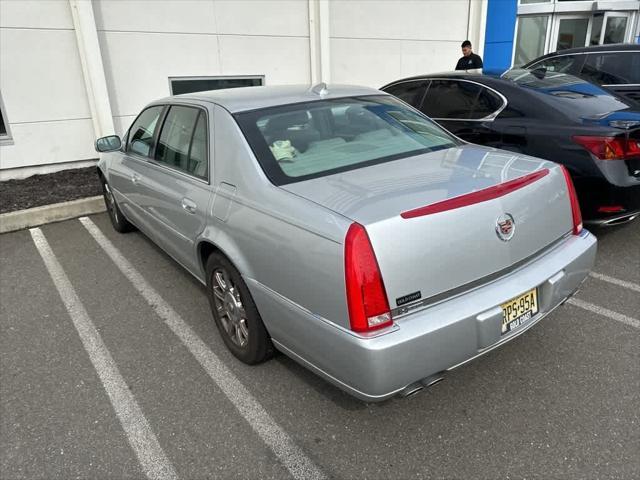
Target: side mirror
{"type": "Point", "coordinates": [108, 144]}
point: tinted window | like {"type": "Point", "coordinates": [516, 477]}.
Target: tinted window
{"type": "Point", "coordinates": [410, 92]}
{"type": "Point", "coordinates": [315, 139]}
{"type": "Point", "coordinates": [459, 99]}
{"type": "Point", "coordinates": [181, 145]}
{"type": "Point", "coordinates": [141, 132]}
{"type": "Point", "coordinates": [612, 68]}
{"type": "Point", "coordinates": [571, 95]}
{"type": "Point", "coordinates": [190, 85]}
{"type": "Point", "coordinates": [198, 160]}
{"type": "Point", "coordinates": [563, 64]}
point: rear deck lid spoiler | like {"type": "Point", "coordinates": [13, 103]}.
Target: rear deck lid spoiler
{"type": "Point", "coordinates": [478, 196]}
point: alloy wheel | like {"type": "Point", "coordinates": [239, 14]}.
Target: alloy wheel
{"type": "Point", "coordinates": [229, 308]}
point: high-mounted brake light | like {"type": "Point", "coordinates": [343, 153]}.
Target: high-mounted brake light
{"type": "Point", "coordinates": [484, 195]}
{"type": "Point", "coordinates": [609, 148]}
{"type": "Point", "coordinates": [366, 296]}
{"type": "Point", "coordinates": [573, 198]}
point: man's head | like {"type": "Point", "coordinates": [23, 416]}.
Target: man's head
{"type": "Point", "coordinates": [466, 48]}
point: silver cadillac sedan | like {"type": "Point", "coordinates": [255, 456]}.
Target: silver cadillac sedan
{"type": "Point", "coordinates": [345, 229]}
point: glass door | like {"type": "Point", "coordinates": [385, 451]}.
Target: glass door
{"type": "Point", "coordinates": [615, 28]}
{"type": "Point", "coordinates": [570, 31]}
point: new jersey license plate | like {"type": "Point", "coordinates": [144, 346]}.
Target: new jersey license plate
{"type": "Point", "coordinates": [519, 310]}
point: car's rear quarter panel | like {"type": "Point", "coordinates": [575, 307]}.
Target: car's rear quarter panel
{"type": "Point", "coordinates": [288, 249]}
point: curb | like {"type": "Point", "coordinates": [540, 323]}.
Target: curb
{"type": "Point", "coordinates": [32, 217]}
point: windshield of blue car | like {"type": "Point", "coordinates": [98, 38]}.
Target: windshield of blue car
{"type": "Point", "coordinates": [324, 137]}
{"type": "Point", "coordinates": [574, 95]}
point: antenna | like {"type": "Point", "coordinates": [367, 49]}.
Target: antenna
{"type": "Point", "coordinates": [320, 89]}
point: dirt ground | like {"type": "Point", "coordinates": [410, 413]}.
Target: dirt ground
{"type": "Point", "coordinates": [56, 187]}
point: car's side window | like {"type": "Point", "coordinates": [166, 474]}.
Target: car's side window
{"type": "Point", "coordinates": [140, 138]}
{"type": "Point", "coordinates": [561, 64]}
{"type": "Point", "coordinates": [452, 99]}
{"type": "Point", "coordinates": [183, 141]}
{"type": "Point", "coordinates": [198, 164]}
{"type": "Point", "coordinates": [410, 92]}
{"type": "Point", "coordinates": [612, 68]}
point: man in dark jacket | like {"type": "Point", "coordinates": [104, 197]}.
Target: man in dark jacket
{"type": "Point", "coordinates": [469, 59]}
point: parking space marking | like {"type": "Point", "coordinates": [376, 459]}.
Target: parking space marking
{"type": "Point", "coordinates": [292, 457]}
{"type": "Point", "coordinates": [605, 312]}
{"type": "Point", "coordinates": [616, 281]}
{"type": "Point", "coordinates": [143, 441]}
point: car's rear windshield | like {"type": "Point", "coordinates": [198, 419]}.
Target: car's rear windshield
{"type": "Point", "coordinates": [319, 138]}
{"type": "Point", "coordinates": [574, 95]}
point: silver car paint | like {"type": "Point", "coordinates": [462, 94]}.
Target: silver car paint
{"type": "Point", "coordinates": [288, 244]}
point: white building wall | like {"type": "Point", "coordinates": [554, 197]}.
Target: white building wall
{"type": "Point", "coordinates": [42, 86]}
{"type": "Point", "coordinates": [374, 42]}
{"type": "Point", "coordinates": [144, 42]}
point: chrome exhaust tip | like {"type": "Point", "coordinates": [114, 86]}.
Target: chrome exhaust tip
{"type": "Point", "coordinates": [620, 220]}
{"type": "Point", "coordinates": [412, 390]}
{"type": "Point", "coordinates": [417, 387]}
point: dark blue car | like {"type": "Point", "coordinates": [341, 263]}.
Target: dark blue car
{"type": "Point", "coordinates": [551, 115]}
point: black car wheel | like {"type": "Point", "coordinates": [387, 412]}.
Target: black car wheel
{"type": "Point", "coordinates": [120, 224]}
{"type": "Point", "coordinates": [235, 313]}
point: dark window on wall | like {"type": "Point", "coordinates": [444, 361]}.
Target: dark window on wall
{"type": "Point", "coordinates": [180, 85]}
{"type": "Point", "coordinates": [4, 124]}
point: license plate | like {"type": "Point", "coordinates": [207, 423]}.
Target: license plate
{"type": "Point", "coordinates": [519, 310]}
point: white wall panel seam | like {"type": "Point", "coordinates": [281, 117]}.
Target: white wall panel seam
{"type": "Point", "coordinates": [92, 66]}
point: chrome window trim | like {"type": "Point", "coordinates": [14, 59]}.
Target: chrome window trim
{"type": "Point", "coordinates": [488, 118]}
{"type": "Point", "coordinates": [168, 168]}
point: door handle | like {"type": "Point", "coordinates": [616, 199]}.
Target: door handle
{"type": "Point", "coordinates": [189, 206]}
{"type": "Point", "coordinates": [135, 178]}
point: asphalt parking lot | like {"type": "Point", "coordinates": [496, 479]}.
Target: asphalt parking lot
{"type": "Point", "coordinates": [111, 367]}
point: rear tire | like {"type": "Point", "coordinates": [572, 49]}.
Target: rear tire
{"type": "Point", "coordinates": [120, 224]}
{"type": "Point", "coordinates": [235, 312]}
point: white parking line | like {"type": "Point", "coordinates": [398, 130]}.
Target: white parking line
{"type": "Point", "coordinates": [291, 456]}
{"type": "Point", "coordinates": [143, 441]}
{"type": "Point", "coordinates": [616, 281]}
{"type": "Point", "coordinates": [605, 312]}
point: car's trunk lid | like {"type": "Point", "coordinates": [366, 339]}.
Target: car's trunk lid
{"type": "Point", "coordinates": [426, 255]}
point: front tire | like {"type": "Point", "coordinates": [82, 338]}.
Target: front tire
{"type": "Point", "coordinates": [120, 224]}
{"type": "Point", "coordinates": [235, 313]}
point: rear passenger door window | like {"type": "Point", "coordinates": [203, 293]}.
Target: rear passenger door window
{"type": "Point", "coordinates": [617, 68]}
{"type": "Point", "coordinates": [409, 92]}
{"type": "Point", "coordinates": [141, 133]}
{"type": "Point", "coordinates": [460, 100]}
{"type": "Point", "coordinates": [182, 143]}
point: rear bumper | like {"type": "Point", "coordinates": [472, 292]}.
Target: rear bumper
{"type": "Point", "coordinates": [435, 339]}
{"type": "Point", "coordinates": [594, 193]}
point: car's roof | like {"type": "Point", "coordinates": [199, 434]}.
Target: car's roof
{"type": "Point", "coordinates": [252, 98]}
{"type": "Point", "coordinates": [612, 47]}
{"type": "Point", "coordinates": [487, 78]}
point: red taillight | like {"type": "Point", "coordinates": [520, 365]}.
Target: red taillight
{"type": "Point", "coordinates": [611, 209]}
{"type": "Point", "coordinates": [609, 148]}
{"type": "Point", "coordinates": [573, 198]}
{"type": "Point", "coordinates": [366, 297]}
